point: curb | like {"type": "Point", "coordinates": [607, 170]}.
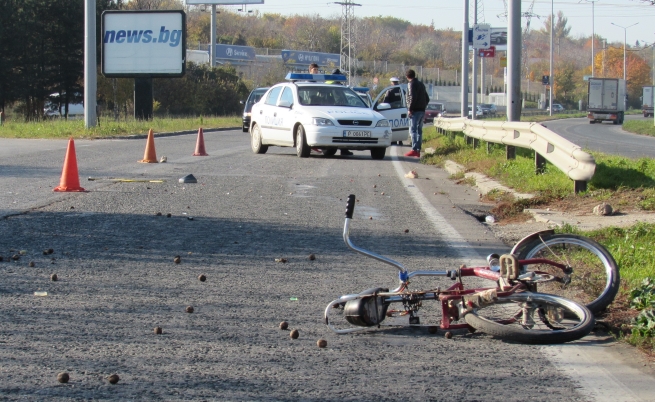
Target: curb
{"type": "Point", "coordinates": [170, 134]}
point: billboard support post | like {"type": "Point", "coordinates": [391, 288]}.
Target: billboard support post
{"type": "Point", "coordinates": [143, 99]}
{"type": "Point", "coordinates": [90, 64]}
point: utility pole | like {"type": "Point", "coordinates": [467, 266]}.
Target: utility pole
{"type": "Point", "coordinates": [347, 37]}
{"type": "Point", "coordinates": [465, 61]}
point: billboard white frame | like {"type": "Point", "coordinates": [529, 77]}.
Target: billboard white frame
{"type": "Point", "coordinates": [143, 43]}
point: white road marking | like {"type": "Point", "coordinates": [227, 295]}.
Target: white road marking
{"type": "Point", "coordinates": [452, 238]}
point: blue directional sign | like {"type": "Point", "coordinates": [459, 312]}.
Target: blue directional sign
{"type": "Point", "coordinates": [481, 36]}
{"type": "Point", "coordinates": [233, 52]}
{"type": "Point", "coordinates": [306, 58]}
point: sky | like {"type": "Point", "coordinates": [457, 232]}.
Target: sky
{"type": "Point", "coordinates": [449, 14]}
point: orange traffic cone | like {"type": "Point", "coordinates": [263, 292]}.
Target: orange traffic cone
{"type": "Point", "coordinates": [200, 145]}
{"type": "Point", "coordinates": [150, 156]}
{"type": "Point", "coordinates": [70, 178]}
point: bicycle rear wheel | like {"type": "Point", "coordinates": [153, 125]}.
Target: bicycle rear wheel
{"type": "Point", "coordinates": [536, 318]}
{"type": "Point", "coordinates": [595, 278]}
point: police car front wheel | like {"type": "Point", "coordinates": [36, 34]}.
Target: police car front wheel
{"type": "Point", "coordinates": [302, 149]}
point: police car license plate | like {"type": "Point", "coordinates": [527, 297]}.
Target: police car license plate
{"type": "Point", "coordinates": [356, 133]}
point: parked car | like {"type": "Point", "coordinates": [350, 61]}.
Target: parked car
{"type": "Point", "coordinates": [254, 97]}
{"type": "Point", "coordinates": [306, 113]}
{"type": "Point", "coordinates": [478, 111]}
{"type": "Point", "coordinates": [434, 109]}
{"type": "Point", "coordinates": [488, 109]}
{"type": "Point", "coordinates": [556, 108]}
{"type": "Point", "coordinates": [363, 92]}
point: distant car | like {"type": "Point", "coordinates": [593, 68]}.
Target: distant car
{"type": "Point", "coordinates": [434, 109]}
{"type": "Point", "coordinates": [556, 108]}
{"type": "Point", "coordinates": [253, 98]}
{"type": "Point", "coordinates": [488, 109]}
{"type": "Point", "coordinates": [54, 107]}
{"type": "Point", "coordinates": [363, 92]}
{"type": "Point", "coordinates": [478, 111]}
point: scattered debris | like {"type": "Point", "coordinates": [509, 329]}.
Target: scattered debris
{"type": "Point", "coordinates": [113, 379]}
{"type": "Point", "coordinates": [163, 159]}
{"type": "Point", "coordinates": [63, 378]}
{"type": "Point", "coordinates": [448, 335]}
{"type": "Point", "coordinates": [382, 193]}
{"type": "Point", "coordinates": [294, 334]}
{"type": "Point", "coordinates": [375, 186]}
{"type": "Point", "coordinates": [177, 259]}
{"type": "Point", "coordinates": [321, 343]}
{"type": "Point", "coordinates": [412, 174]}
{"type": "Point", "coordinates": [31, 264]}
{"type": "Point", "coordinates": [284, 325]}
{"type": "Point", "coordinates": [188, 179]}
{"type": "Point", "coordinates": [490, 219]}
{"type": "Point", "coordinates": [189, 309]}
{"type": "Point", "coordinates": [312, 257]}
{"type": "Point", "coordinates": [603, 209]}
{"type": "Point", "coordinates": [282, 260]}
{"type": "Point", "coordinates": [15, 257]}
{"type": "Point", "coordinates": [168, 215]}
{"type": "Point", "coordinates": [406, 230]}
{"type": "Point", "coordinates": [202, 278]}
{"type": "Point", "coordinates": [54, 277]}
{"type": "Point", "coordinates": [158, 214]}
{"type": "Point", "coordinates": [158, 331]}
{"type": "Point", "coordinates": [40, 293]}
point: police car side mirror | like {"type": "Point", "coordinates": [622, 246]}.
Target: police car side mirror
{"type": "Point", "coordinates": [383, 106]}
{"type": "Point", "coordinates": [285, 103]}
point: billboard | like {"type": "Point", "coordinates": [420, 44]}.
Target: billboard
{"type": "Point", "coordinates": [223, 2]}
{"type": "Point", "coordinates": [143, 43]}
{"type": "Point", "coordinates": [306, 58]}
{"type": "Point", "coordinates": [234, 52]}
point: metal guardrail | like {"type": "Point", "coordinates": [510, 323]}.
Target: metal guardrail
{"type": "Point", "coordinates": [577, 164]}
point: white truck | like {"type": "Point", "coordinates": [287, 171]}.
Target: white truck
{"type": "Point", "coordinates": [606, 100]}
{"type": "Point", "coordinates": [647, 100]}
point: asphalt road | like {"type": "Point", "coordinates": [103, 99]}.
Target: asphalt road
{"type": "Point", "coordinates": [113, 254]}
{"type": "Point", "coordinates": [605, 137]}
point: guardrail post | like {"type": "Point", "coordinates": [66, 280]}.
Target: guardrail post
{"type": "Point", "coordinates": [2, 117]}
{"type": "Point", "coordinates": [489, 147]}
{"type": "Point", "coordinates": [476, 143]}
{"type": "Point", "coordinates": [469, 140]}
{"type": "Point", "coordinates": [510, 152]}
{"type": "Point", "coordinates": [579, 186]}
{"type": "Point", "coordinates": [539, 163]}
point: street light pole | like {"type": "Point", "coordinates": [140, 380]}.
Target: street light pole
{"type": "Point", "coordinates": [625, 33]}
{"type": "Point", "coordinates": [593, 33]}
{"type": "Point", "coordinates": [625, 71]}
{"type": "Point", "coordinates": [551, 81]}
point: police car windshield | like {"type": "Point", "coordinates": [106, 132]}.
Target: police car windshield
{"type": "Point", "coordinates": [335, 95]}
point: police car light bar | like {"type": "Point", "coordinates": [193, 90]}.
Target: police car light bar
{"type": "Point", "coordinates": [361, 89]}
{"type": "Point", "coordinates": [316, 77]}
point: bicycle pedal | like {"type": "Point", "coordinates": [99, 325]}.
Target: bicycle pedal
{"type": "Point", "coordinates": [509, 266]}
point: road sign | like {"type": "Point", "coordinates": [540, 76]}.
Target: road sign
{"type": "Point", "coordinates": [545, 79]}
{"type": "Point", "coordinates": [491, 52]}
{"type": "Point", "coordinates": [481, 36]}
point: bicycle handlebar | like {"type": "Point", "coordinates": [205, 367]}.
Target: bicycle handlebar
{"type": "Point", "coordinates": [350, 206]}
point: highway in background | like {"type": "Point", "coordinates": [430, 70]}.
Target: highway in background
{"type": "Point", "coordinates": [605, 137]}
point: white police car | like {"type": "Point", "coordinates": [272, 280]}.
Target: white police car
{"type": "Point", "coordinates": [306, 112]}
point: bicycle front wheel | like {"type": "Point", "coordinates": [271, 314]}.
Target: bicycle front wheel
{"type": "Point", "coordinates": [594, 281]}
{"type": "Point", "coordinates": [536, 318]}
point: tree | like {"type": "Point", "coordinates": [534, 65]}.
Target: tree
{"type": "Point", "coordinates": [560, 30]}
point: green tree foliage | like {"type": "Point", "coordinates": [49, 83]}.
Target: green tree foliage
{"type": "Point", "coordinates": [560, 30]}
{"type": "Point", "coordinates": [202, 91]}
{"type": "Point", "coordinates": [42, 51]}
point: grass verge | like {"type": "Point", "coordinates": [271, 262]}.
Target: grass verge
{"type": "Point", "coordinates": [627, 184]}
{"type": "Point", "coordinates": [53, 129]}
